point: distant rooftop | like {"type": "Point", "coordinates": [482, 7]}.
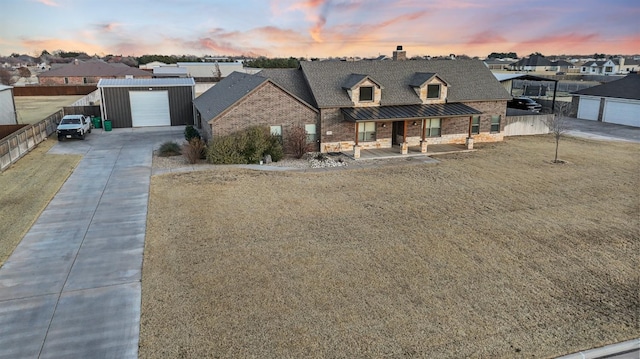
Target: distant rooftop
{"type": "Point", "coordinates": [166, 82]}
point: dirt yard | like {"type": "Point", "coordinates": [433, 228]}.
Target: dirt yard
{"type": "Point", "coordinates": [32, 109]}
{"type": "Point", "coordinates": [27, 187]}
{"type": "Point", "coordinates": [491, 254]}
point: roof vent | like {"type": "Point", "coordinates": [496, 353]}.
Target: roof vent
{"type": "Point", "coordinates": [399, 47]}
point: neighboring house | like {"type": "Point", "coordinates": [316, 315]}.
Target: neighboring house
{"type": "Point", "coordinates": [208, 71]}
{"type": "Point", "coordinates": [561, 66]}
{"type": "Point", "coordinates": [614, 102]}
{"type": "Point", "coordinates": [7, 106]}
{"type": "Point", "coordinates": [147, 102]}
{"type": "Point", "coordinates": [533, 63]}
{"type": "Point", "coordinates": [152, 64]}
{"type": "Point", "coordinates": [169, 71]}
{"type": "Point", "coordinates": [89, 73]}
{"type": "Point", "coordinates": [363, 105]}
{"type": "Point", "coordinates": [498, 64]}
{"type": "Point", "coordinates": [615, 66]}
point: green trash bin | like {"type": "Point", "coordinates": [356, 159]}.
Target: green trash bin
{"type": "Point", "coordinates": [107, 125]}
{"type": "Point", "coordinates": [97, 122]}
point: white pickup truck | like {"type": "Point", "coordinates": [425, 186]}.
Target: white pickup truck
{"type": "Point", "coordinates": [74, 126]}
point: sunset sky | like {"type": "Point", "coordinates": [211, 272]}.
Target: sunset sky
{"type": "Point", "coordinates": [320, 28]}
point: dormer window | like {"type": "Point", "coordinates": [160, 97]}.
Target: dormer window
{"type": "Point", "coordinates": [430, 87]}
{"type": "Point", "coordinates": [366, 93]}
{"type": "Point", "coordinates": [433, 91]}
{"type": "Point", "coordinates": [363, 90]}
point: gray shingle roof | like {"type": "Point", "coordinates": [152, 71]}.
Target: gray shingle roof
{"type": "Point", "coordinates": [534, 60]}
{"type": "Point", "coordinates": [627, 87]}
{"type": "Point", "coordinates": [291, 80]}
{"type": "Point", "coordinates": [408, 112]}
{"type": "Point", "coordinates": [230, 90]}
{"type": "Point", "coordinates": [355, 79]}
{"type": "Point", "coordinates": [94, 68]}
{"type": "Point", "coordinates": [469, 80]}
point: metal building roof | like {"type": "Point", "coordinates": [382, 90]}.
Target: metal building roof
{"type": "Point", "coordinates": [408, 112]}
{"type": "Point", "coordinates": [168, 82]}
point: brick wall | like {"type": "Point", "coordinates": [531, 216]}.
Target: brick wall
{"type": "Point", "coordinates": [266, 106]}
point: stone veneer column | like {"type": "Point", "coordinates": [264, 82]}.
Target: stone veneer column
{"type": "Point", "coordinates": [356, 151]}
{"type": "Point", "coordinates": [423, 146]}
{"type": "Point", "coordinates": [469, 143]}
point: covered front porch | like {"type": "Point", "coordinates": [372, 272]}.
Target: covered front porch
{"type": "Point", "coordinates": [412, 151]}
{"type": "Point", "coordinates": [392, 131]}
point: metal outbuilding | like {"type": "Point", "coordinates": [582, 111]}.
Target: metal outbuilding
{"type": "Point", "coordinates": [7, 106]}
{"type": "Point", "coordinates": [147, 102]}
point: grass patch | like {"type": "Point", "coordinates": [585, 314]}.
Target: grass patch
{"type": "Point", "coordinates": [496, 253]}
{"type": "Point", "coordinates": [27, 187]}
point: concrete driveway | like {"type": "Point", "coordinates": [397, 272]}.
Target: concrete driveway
{"type": "Point", "coordinates": [72, 286]}
{"type": "Point", "coordinates": [602, 130]}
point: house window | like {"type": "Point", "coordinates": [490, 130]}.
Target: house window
{"type": "Point", "coordinates": [495, 123]}
{"type": "Point", "coordinates": [432, 127]}
{"type": "Point", "coordinates": [84, 80]}
{"type": "Point", "coordinates": [584, 69]}
{"type": "Point", "coordinates": [311, 133]}
{"type": "Point", "coordinates": [433, 91]}
{"type": "Point", "coordinates": [66, 80]}
{"type": "Point", "coordinates": [366, 93]}
{"type": "Point", "coordinates": [475, 125]}
{"type": "Point", "coordinates": [367, 131]}
{"type": "Point", "coordinates": [277, 132]}
{"type": "Point", "coordinates": [608, 69]}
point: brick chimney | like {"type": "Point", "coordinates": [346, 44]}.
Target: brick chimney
{"type": "Point", "coordinates": [399, 54]}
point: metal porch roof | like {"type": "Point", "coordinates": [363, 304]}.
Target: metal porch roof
{"type": "Point", "coordinates": [407, 112]}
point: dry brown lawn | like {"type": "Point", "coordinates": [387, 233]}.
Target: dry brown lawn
{"type": "Point", "coordinates": [32, 109]}
{"type": "Point", "coordinates": [26, 189]}
{"type": "Point", "coordinates": [492, 254]}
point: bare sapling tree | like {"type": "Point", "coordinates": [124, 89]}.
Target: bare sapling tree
{"type": "Point", "coordinates": [557, 124]}
{"type": "Point", "coordinates": [217, 74]}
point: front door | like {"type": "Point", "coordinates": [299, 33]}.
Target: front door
{"type": "Point", "coordinates": [397, 133]}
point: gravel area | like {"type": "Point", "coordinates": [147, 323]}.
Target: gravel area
{"type": "Point", "coordinates": [309, 160]}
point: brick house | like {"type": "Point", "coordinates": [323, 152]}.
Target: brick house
{"type": "Point", "coordinates": [89, 73]}
{"type": "Point", "coordinates": [348, 106]}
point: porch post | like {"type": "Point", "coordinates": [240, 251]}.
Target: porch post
{"type": "Point", "coordinates": [404, 148]}
{"type": "Point", "coordinates": [423, 142]}
{"type": "Point", "coordinates": [469, 138]}
{"type": "Point", "coordinates": [356, 147]}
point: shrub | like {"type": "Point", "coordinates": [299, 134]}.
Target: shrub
{"type": "Point", "coordinates": [224, 150]}
{"type": "Point", "coordinates": [297, 142]}
{"type": "Point", "coordinates": [194, 150]}
{"type": "Point", "coordinates": [255, 142]}
{"type": "Point", "coordinates": [169, 149]}
{"type": "Point", "coordinates": [275, 149]}
{"type": "Point", "coordinates": [247, 146]}
{"type": "Point", "coordinates": [190, 132]}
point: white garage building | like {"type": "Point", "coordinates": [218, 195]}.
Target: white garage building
{"type": "Point", "coordinates": [614, 102]}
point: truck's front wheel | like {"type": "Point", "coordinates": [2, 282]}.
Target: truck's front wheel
{"type": "Point", "coordinates": [82, 136]}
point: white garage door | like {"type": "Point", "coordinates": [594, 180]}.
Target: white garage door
{"type": "Point", "coordinates": [622, 112]}
{"type": "Point", "coordinates": [150, 108]}
{"type": "Point", "coordinates": [588, 108]}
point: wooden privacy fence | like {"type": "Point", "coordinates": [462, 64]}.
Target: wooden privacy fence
{"type": "Point", "coordinates": [19, 143]}
{"type": "Point", "coordinates": [526, 125]}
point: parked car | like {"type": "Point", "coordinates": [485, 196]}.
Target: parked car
{"type": "Point", "coordinates": [74, 126]}
{"type": "Point", "coordinates": [524, 103]}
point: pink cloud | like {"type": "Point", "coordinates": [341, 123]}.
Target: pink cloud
{"type": "Point", "coordinates": [48, 2]}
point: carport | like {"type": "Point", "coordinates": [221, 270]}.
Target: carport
{"type": "Point", "coordinates": [507, 81]}
{"type": "Point", "coordinates": [147, 102]}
